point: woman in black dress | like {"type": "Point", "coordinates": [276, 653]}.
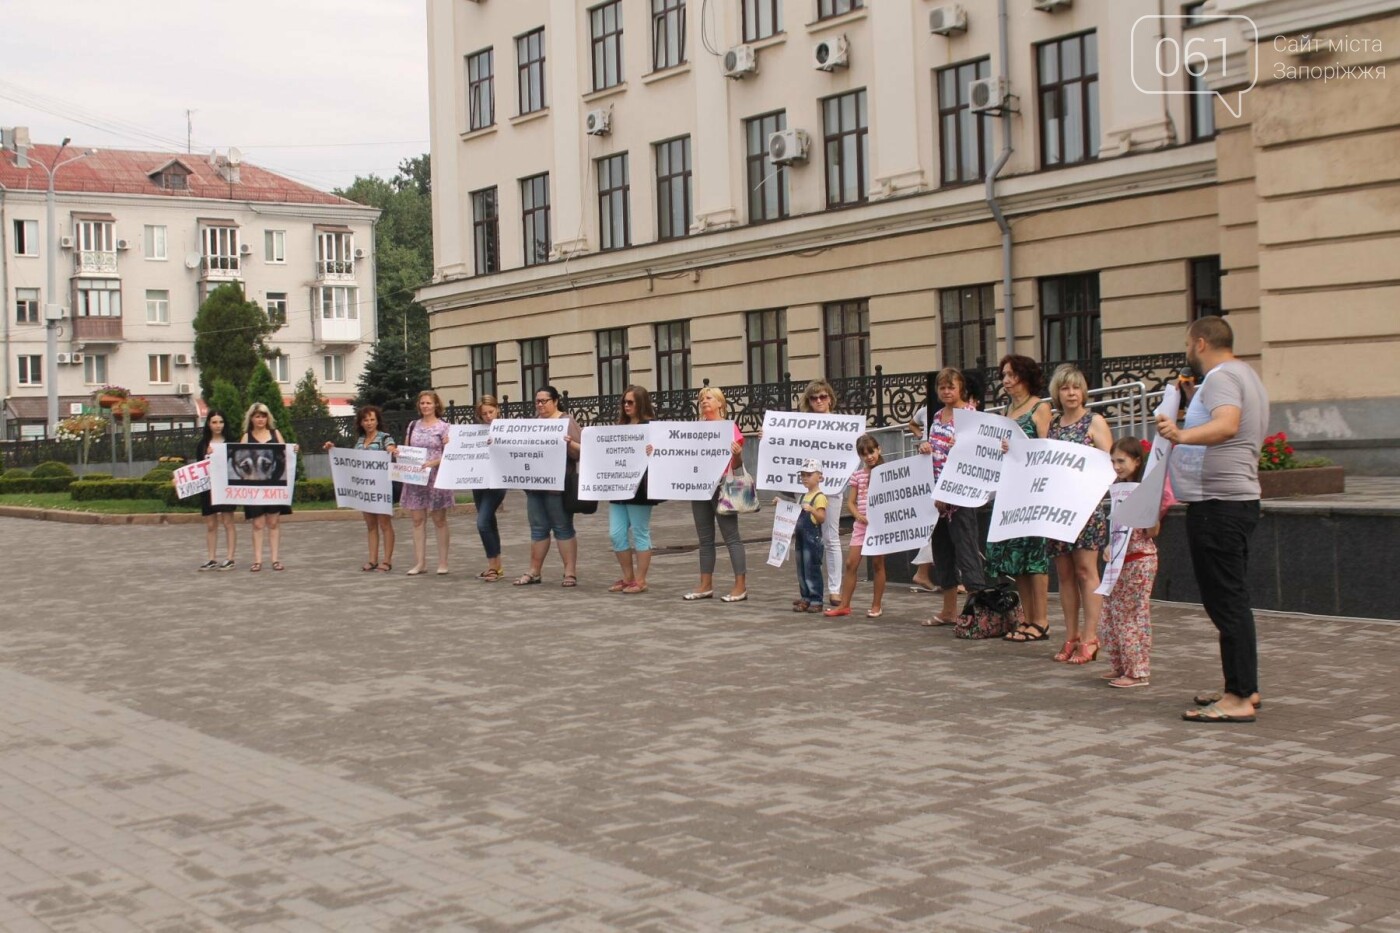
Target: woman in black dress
{"type": "Point", "coordinates": [215, 435]}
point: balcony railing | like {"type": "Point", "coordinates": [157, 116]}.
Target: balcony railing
{"type": "Point", "coordinates": [95, 261]}
{"type": "Point", "coordinates": [337, 330]}
{"type": "Point", "coordinates": [335, 270]}
{"type": "Point", "coordinates": [97, 329]}
{"type": "Point", "coordinates": [222, 267]}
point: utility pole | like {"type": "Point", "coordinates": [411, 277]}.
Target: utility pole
{"type": "Point", "coordinates": [189, 131]}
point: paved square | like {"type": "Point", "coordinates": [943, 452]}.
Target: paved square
{"type": "Point", "coordinates": [330, 749]}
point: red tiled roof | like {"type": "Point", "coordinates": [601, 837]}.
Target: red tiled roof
{"type": "Point", "coordinates": [127, 171]}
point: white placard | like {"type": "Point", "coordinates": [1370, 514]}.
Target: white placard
{"type": "Point", "coordinates": [790, 438]}
{"type": "Point", "coordinates": [785, 516]}
{"type": "Point", "coordinates": [529, 453]}
{"type": "Point", "coordinates": [253, 474]}
{"type": "Point", "coordinates": [1118, 536]}
{"type": "Point", "coordinates": [361, 479]}
{"type": "Point", "coordinates": [466, 459]}
{"type": "Point", "coordinates": [688, 458]}
{"type": "Point", "coordinates": [973, 468]}
{"type": "Point", "coordinates": [612, 461]}
{"type": "Point", "coordinates": [192, 479]}
{"type": "Point", "coordinates": [1143, 509]}
{"type": "Point", "coordinates": [1048, 489]}
{"type": "Point", "coordinates": [410, 466]}
{"type": "Point", "coordinates": [899, 507]}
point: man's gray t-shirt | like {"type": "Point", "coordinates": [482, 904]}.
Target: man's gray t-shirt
{"type": "Point", "coordinates": [1229, 470]}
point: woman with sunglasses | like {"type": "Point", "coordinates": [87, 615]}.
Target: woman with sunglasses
{"type": "Point", "coordinates": [546, 509]}
{"type": "Point", "coordinates": [820, 398]}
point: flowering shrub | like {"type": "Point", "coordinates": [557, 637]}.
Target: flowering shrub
{"type": "Point", "coordinates": [173, 461]}
{"type": "Point", "coordinates": [1277, 453]}
{"type": "Point", "coordinates": [116, 391]}
{"type": "Point", "coordinates": [82, 427]}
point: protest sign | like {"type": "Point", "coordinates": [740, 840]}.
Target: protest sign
{"type": "Point", "coordinates": [791, 438]}
{"type": "Point", "coordinates": [899, 506]}
{"type": "Point", "coordinates": [529, 453]}
{"type": "Point", "coordinates": [192, 479]}
{"type": "Point", "coordinates": [253, 474]}
{"type": "Point", "coordinates": [409, 466]}
{"type": "Point", "coordinates": [361, 480]}
{"type": "Point", "coordinates": [1143, 508]}
{"type": "Point", "coordinates": [688, 458]}
{"type": "Point", "coordinates": [785, 516]}
{"type": "Point", "coordinates": [1048, 489]}
{"type": "Point", "coordinates": [466, 459]}
{"type": "Point", "coordinates": [973, 468]}
{"type": "Point", "coordinates": [612, 461]}
{"type": "Point", "coordinates": [1118, 536]}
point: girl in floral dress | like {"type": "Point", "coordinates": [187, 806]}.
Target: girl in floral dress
{"type": "Point", "coordinates": [1127, 610]}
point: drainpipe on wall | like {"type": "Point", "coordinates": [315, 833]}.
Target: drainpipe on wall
{"type": "Point", "coordinates": [1008, 311]}
{"type": "Point", "coordinates": [4, 320]}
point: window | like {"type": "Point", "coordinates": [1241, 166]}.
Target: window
{"type": "Point", "coordinates": [673, 356]}
{"type": "Point", "coordinates": [1067, 73]}
{"type": "Point", "coordinates": [26, 306]}
{"type": "Point", "coordinates": [93, 236]}
{"type": "Point", "coordinates": [95, 369]}
{"type": "Point", "coordinates": [847, 338]}
{"type": "Point", "coordinates": [767, 345]}
{"type": "Point", "coordinates": [605, 27]}
{"type": "Point", "coordinates": [335, 253]}
{"type": "Point", "coordinates": [481, 90]}
{"type": "Point", "coordinates": [969, 326]}
{"type": "Point", "coordinates": [277, 307]}
{"type": "Point", "coordinates": [534, 204]}
{"type": "Point", "coordinates": [767, 182]}
{"type": "Point", "coordinates": [1069, 320]}
{"type": "Point", "coordinates": [667, 33]}
{"type": "Point", "coordinates": [1202, 101]}
{"type": "Point", "coordinates": [486, 231]}
{"type": "Point", "coordinates": [29, 370]}
{"type": "Point", "coordinates": [338, 302]}
{"type": "Point", "coordinates": [281, 367]}
{"type": "Point", "coordinates": [534, 366]}
{"type": "Point", "coordinates": [762, 18]}
{"type": "Point", "coordinates": [613, 374]}
{"type": "Point", "coordinates": [614, 215]}
{"type": "Point", "coordinates": [1205, 287]}
{"type": "Point", "coordinates": [673, 188]}
{"type": "Point", "coordinates": [846, 123]}
{"type": "Point", "coordinates": [99, 298]}
{"type": "Point", "coordinates": [274, 245]}
{"type": "Point", "coordinates": [529, 56]}
{"type": "Point", "coordinates": [157, 306]}
{"type": "Point", "coordinates": [483, 359]}
{"type": "Point", "coordinates": [333, 367]}
{"type": "Point", "coordinates": [220, 248]}
{"type": "Point", "coordinates": [173, 177]}
{"type": "Point", "coordinates": [966, 143]}
{"type": "Point", "coordinates": [158, 366]}
{"type": "Point", "coordinates": [829, 8]}
{"type": "Point", "coordinates": [26, 237]}
{"type": "Point", "coordinates": [153, 241]}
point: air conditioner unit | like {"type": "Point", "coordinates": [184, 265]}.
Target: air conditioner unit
{"type": "Point", "coordinates": [1050, 6]}
{"type": "Point", "coordinates": [123, 244]}
{"type": "Point", "coordinates": [182, 359]}
{"type": "Point", "coordinates": [946, 20]}
{"type": "Point", "coordinates": [245, 249]}
{"type": "Point", "coordinates": [598, 122]}
{"type": "Point", "coordinates": [830, 54]}
{"type": "Point", "coordinates": [787, 146]}
{"type": "Point", "coordinates": [183, 388]}
{"type": "Point", "coordinates": [77, 358]}
{"type": "Point", "coordinates": [739, 61]}
{"type": "Point", "coordinates": [65, 242]}
{"type": "Point", "coordinates": [359, 252]}
{"type": "Point", "coordinates": [64, 358]}
{"type": "Point", "coordinates": [986, 94]}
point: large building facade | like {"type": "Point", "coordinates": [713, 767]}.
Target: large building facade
{"type": "Point", "coordinates": [744, 191]}
{"type": "Point", "coordinates": [143, 238]}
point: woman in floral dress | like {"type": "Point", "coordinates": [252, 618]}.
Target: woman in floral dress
{"type": "Point", "coordinates": [430, 433]}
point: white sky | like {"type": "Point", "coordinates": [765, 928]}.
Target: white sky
{"type": "Point", "coordinates": [319, 90]}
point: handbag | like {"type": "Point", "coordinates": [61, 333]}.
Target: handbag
{"type": "Point", "coordinates": [572, 503]}
{"type": "Point", "coordinates": [738, 493]}
{"type": "Point", "coordinates": [990, 613]}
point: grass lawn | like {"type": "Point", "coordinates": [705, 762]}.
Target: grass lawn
{"type": "Point", "coordinates": [63, 501]}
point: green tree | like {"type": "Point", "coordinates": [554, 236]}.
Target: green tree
{"type": "Point", "coordinates": [391, 381]}
{"type": "Point", "coordinates": [227, 399]}
{"type": "Point", "coordinates": [307, 403]}
{"type": "Point", "coordinates": [263, 388]}
{"type": "Point", "coordinates": [230, 338]}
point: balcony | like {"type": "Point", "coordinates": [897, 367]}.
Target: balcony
{"type": "Point", "coordinates": [97, 329]}
{"type": "Point", "coordinates": [335, 270]}
{"type": "Point", "coordinates": [222, 268]}
{"type": "Point", "coordinates": [337, 330]}
{"type": "Point", "coordinates": [95, 262]}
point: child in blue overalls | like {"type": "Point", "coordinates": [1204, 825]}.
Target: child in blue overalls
{"type": "Point", "coordinates": [808, 540]}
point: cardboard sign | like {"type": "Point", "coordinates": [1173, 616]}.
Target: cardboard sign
{"type": "Point", "coordinates": [409, 466]}
{"type": "Point", "coordinates": [688, 458]}
{"type": "Point", "coordinates": [1118, 536]}
{"type": "Point", "coordinates": [253, 474]}
{"type": "Point", "coordinates": [899, 506]}
{"type": "Point", "coordinates": [785, 516]}
{"type": "Point", "coordinates": [192, 479]}
{"type": "Point", "coordinates": [529, 453]}
{"type": "Point", "coordinates": [1143, 508]}
{"type": "Point", "coordinates": [466, 459]}
{"type": "Point", "coordinates": [973, 469]}
{"type": "Point", "coordinates": [1048, 489]}
{"type": "Point", "coordinates": [361, 479]}
{"type": "Point", "coordinates": [612, 461]}
{"type": "Point", "coordinates": [791, 438]}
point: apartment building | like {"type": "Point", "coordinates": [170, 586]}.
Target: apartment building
{"type": "Point", "coordinates": [663, 191]}
{"type": "Point", "coordinates": [143, 238]}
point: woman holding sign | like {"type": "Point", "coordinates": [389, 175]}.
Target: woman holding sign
{"type": "Point", "coordinates": [487, 501]}
{"type": "Point", "coordinates": [820, 398]}
{"type": "Point", "coordinates": [634, 513]}
{"type": "Point", "coordinates": [369, 437]}
{"type": "Point", "coordinates": [546, 509]}
{"type": "Point", "coordinates": [215, 515]}
{"type": "Point", "coordinates": [429, 432]}
{"type": "Point", "coordinates": [713, 407]}
{"type": "Point", "coordinates": [259, 427]}
{"type": "Point", "coordinates": [1025, 559]}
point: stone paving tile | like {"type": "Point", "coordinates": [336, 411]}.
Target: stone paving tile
{"type": "Point", "coordinates": [327, 749]}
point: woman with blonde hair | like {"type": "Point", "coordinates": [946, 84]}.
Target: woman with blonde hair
{"type": "Point", "coordinates": [259, 427]}
{"type": "Point", "coordinates": [429, 432]}
{"type": "Point", "coordinates": [487, 501]}
{"type": "Point", "coordinates": [820, 398]}
{"type": "Point", "coordinates": [713, 407]}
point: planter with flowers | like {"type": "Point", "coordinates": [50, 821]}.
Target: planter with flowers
{"type": "Point", "coordinates": [1282, 475]}
{"type": "Point", "coordinates": [111, 396]}
{"type": "Point", "coordinates": [132, 408]}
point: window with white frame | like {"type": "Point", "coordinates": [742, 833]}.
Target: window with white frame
{"type": "Point", "coordinates": [335, 253]}
{"type": "Point", "coordinates": [333, 367]}
{"type": "Point", "coordinates": [95, 369]}
{"type": "Point", "coordinates": [26, 237]}
{"type": "Point", "coordinates": [157, 306]}
{"type": "Point", "coordinates": [158, 365]}
{"type": "Point", "coordinates": [274, 246]}
{"type": "Point", "coordinates": [94, 236]}
{"type": "Point", "coordinates": [220, 248]}
{"type": "Point", "coordinates": [99, 298]}
{"type": "Point", "coordinates": [281, 367]}
{"type": "Point", "coordinates": [338, 302]}
{"type": "Point", "coordinates": [26, 306]}
{"type": "Point", "coordinates": [153, 242]}
{"type": "Point", "coordinates": [29, 369]}
{"type": "Point", "coordinates": [277, 307]}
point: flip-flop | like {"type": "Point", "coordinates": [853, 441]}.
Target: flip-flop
{"type": "Point", "coordinates": [1206, 699]}
{"type": "Point", "coordinates": [936, 621]}
{"type": "Point", "coordinates": [916, 588]}
{"type": "Point", "coordinates": [1213, 713]}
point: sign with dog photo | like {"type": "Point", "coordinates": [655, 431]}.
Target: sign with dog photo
{"type": "Point", "coordinates": [253, 474]}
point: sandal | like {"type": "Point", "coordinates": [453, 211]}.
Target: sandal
{"type": "Point", "coordinates": [255, 567]}
{"type": "Point", "coordinates": [619, 585]}
{"type": "Point", "coordinates": [527, 579]}
{"type": "Point", "coordinates": [569, 580]}
{"type": "Point", "coordinates": [491, 574]}
{"type": "Point", "coordinates": [1213, 713]}
{"type": "Point", "coordinates": [800, 606]}
{"type": "Point", "coordinates": [939, 620]}
{"type": "Point", "coordinates": [368, 566]}
{"type": "Point", "coordinates": [1023, 634]}
{"type": "Point", "coordinates": [278, 565]}
{"type": "Point", "coordinates": [1206, 699]}
{"type": "Point", "coordinates": [634, 588]}
{"type": "Point", "coordinates": [1067, 652]}
{"type": "Point", "coordinates": [1128, 682]}
{"type": "Point", "coordinates": [874, 613]}
{"type": "Point", "coordinates": [384, 567]}
{"type": "Point", "coordinates": [1083, 654]}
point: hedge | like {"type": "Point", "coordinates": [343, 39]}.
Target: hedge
{"type": "Point", "coordinates": [159, 473]}
{"type": "Point", "coordinates": [96, 476]}
{"type": "Point", "coordinates": [33, 484]}
{"type": "Point", "coordinates": [89, 490]}
{"type": "Point", "coordinates": [52, 468]}
{"type": "Point", "coordinates": [15, 473]}
{"type": "Point", "coordinates": [308, 490]}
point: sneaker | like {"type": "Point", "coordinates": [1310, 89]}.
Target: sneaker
{"type": "Point", "coordinates": [226, 565]}
{"type": "Point", "coordinates": [208, 565]}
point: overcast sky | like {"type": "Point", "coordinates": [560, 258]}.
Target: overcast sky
{"type": "Point", "coordinates": [320, 90]}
